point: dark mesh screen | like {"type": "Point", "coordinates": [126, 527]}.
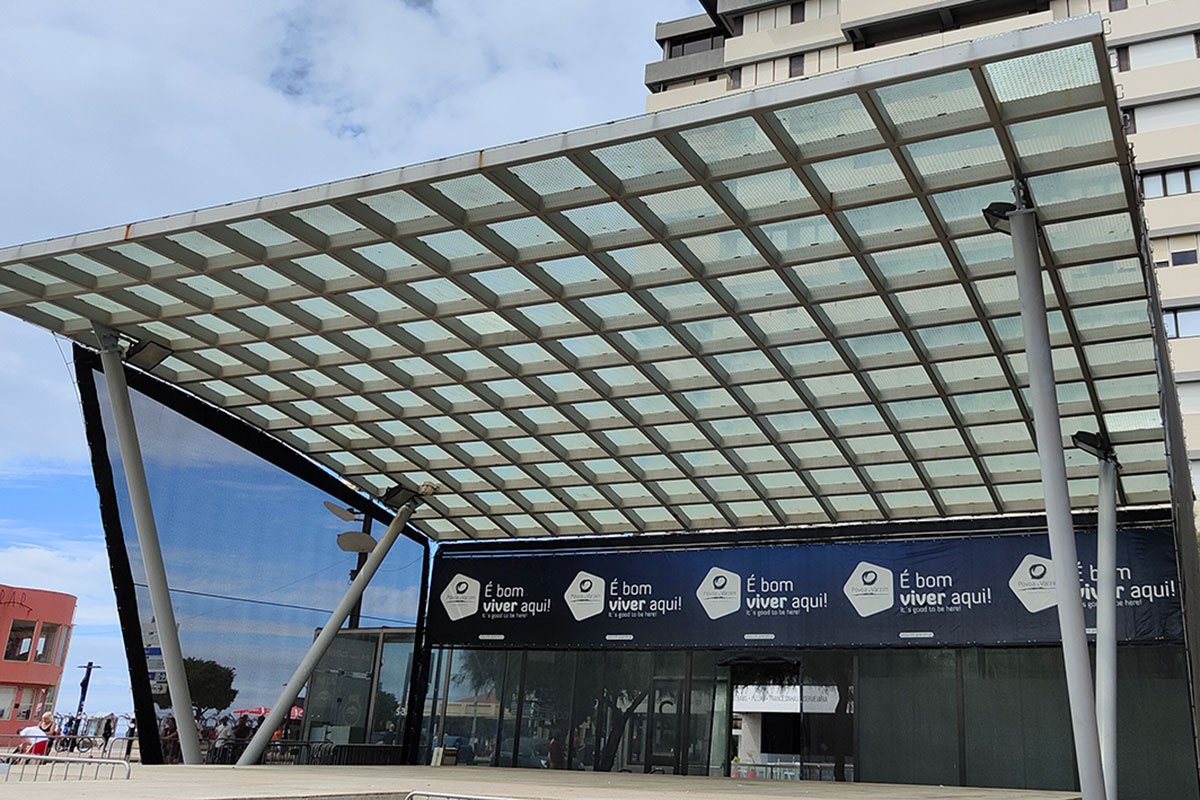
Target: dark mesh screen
{"type": "Point", "coordinates": [250, 552]}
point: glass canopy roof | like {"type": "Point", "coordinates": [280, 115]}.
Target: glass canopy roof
{"type": "Point", "coordinates": [778, 307]}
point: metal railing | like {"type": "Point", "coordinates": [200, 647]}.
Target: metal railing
{"type": "Point", "coordinates": [72, 746]}
{"type": "Point", "coordinates": [25, 766]}
{"type": "Point", "coordinates": [321, 753]}
{"type": "Point", "coordinates": [429, 795]}
{"type": "Point", "coordinates": [789, 771]}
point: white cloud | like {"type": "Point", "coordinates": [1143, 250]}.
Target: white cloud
{"type": "Point", "coordinates": [129, 111]}
{"type": "Point", "coordinates": [41, 427]}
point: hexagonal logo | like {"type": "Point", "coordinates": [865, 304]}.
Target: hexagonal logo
{"type": "Point", "coordinates": [870, 589]}
{"type": "Point", "coordinates": [720, 593]}
{"type": "Point", "coordinates": [585, 595]}
{"type": "Point", "coordinates": [460, 598]}
{"type": "Point", "coordinates": [1033, 583]}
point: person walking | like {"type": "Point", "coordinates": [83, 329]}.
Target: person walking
{"type": "Point", "coordinates": [130, 735]}
{"type": "Point", "coordinates": [222, 752]}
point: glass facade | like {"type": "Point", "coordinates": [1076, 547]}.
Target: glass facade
{"type": "Point", "coordinates": [993, 717]}
{"type": "Point", "coordinates": [614, 711]}
{"type": "Point", "coordinates": [358, 692]}
{"type": "Point", "coordinates": [254, 567]}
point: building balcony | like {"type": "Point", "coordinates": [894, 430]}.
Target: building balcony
{"type": "Point", "coordinates": [810, 35]}
{"type": "Point", "coordinates": [1140, 23]}
{"type": "Point", "coordinates": [1156, 84]}
{"type": "Point", "coordinates": [1168, 147]}
{"type": "Point", "coordinates": [684, 67]}
{"type": "Point", "coordinates": [1166, 216]}
{"type": "Point", "coordinates": [686, 95]}
{"type": "Point", "coordinates": [933, 41]}
{"type": "Point", "coordinates": [1179, 286]}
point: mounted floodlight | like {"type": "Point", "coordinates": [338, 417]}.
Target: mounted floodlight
{"type": "Point", "coordinates": [996, 216]}
{"type": "Point", "coordinates": [356, 542]}
{"type": "Point", "coordinates": [147, 355]}
{"type": "Point", "coordinates": [398, 495]}
{"type": "Point", "coordinates": [344, 514]}
{"type": "Point", "coordinates": [1095, 444]}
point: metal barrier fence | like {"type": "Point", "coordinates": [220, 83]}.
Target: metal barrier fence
{"type": "Point", "coordinates": [789, 771]}
{"type": "Point", "coordinates": [311, 753]}
{"type": "Point", "coordinates": [120, 747]}
{"type": "Point", "coordinates": [30, 767]}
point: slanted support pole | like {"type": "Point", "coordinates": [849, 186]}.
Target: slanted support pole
{"type": "Point", "coordinates": [1106, 622]}
{"type": "Point", "coordinates": [1048, 430]}
{"type": "Point", "coordinates": [147, 534]}
{"type": "Point", "coordinates": [258, 743]}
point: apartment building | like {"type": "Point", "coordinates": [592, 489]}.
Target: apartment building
{"type": "Point", "coordinates": [738, 45]}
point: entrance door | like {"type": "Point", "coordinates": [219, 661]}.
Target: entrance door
{"type": "Point", "coordinates": [666, 715]}
{"type": "Point", "coordinates": [666, 725]}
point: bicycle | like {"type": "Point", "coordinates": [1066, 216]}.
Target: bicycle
{"type": "Point", "coordinates": [80, 744]}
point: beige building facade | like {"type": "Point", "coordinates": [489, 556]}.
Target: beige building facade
{"type": "Point", "coordinates": [738, 45]}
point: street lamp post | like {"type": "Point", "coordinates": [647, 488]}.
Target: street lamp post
{"type": "Point", "coordinates": [1019, 221]}
{"type": "Point", "coordinates": [1106, 601]}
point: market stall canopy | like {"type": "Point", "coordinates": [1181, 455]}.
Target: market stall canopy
{"type": "Point", "coordinates": [779, 307]}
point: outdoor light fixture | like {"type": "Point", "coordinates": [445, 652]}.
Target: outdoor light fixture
{"type": "Point", "coordinates": [997, 217]}
{"type": "Point", "coordinates": [399, 495]}
{"type": "Point", "coordinates": [1095, 444]}
{"type": "Point", "coordinates": [146, 355]}
{"type": "Point", "coordinates": [344, 514]}
{"type": "Point", "coordinates": [356, 542]}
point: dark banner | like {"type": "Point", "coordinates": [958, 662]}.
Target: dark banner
{"type": "Point", "coordinates": [970, 590]}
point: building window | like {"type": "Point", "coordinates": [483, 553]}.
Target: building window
{"type": "Point", "coordinates": [1117, 5]}
{"type": "Point", "coordinates": [735, 78]}
{"type": "Point", "coordinates": [1181, 323]}
{"type": "Point", "coordinates": [1122, 54]}
{"type": "Point", "coordinates": [24, 704]}
{"type": "Point", "coordinates": [20, 640]}
{"type": "Point", "coordinates": [1182, 258]}
{"type": "Point", "coordinates": [45, 644]}
{"type": "Point", "coordinates": [1171, 182]}
{"type": "Point", "coordinates": [797, 13]}
{"type": "Point", "coordinates": [690, 45]}
{"type": "Point", "coordinates": [796, 66]}
{"type": "Point", "coordinates": [739, 23]}
{"type": "Point", "coordinates": [1185, 325]}
{"type": "Point", "coordinates": [1130, 121]}
{"type": "Point", "coordinates": [63, 638]}
{"type": "Point", "coordinates": [1169, 326]}
{"type": "Point", "coordinates": [8, 700]}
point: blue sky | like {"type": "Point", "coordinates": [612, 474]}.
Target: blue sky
{"type": "Point", "coordinates": [129, 110]}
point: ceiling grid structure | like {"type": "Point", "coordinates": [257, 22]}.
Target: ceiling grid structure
{"type": "Point", "coordinates": [780, 307]}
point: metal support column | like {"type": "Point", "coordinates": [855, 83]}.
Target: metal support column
{"type": "Point", "coordinates": [291, 691]}
{"type": "Point", "coordinates": [1106, 622]}
{"type": "Point", "coordinates": [1048, 429]}
{"type": "Point", "coordinates": [147, 533]}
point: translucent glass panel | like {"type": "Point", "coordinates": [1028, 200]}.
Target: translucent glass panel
{"type": "Point", "coordinates": [583, 334]}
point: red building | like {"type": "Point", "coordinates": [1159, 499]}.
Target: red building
{"type": "Point", "coordinates": [36, 626]}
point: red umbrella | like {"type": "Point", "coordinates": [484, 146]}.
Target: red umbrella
{"type": "Point", "coordinates": [261, 711]}
{"type": "Point", "coordinates": [257, 711]}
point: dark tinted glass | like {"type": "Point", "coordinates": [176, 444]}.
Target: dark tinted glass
{"type": "Point", "coordinates": [252, 556]}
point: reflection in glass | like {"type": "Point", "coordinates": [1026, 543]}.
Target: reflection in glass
{"type": "Point", "coordinates": [46, 641]}
{"type": "Point", "coordinates": [391, 695]}
{"type": "Point", "coordinates": [340, 689]}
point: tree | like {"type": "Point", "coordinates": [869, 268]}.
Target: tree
{"type": "Point", "coordinates": [210, 684]}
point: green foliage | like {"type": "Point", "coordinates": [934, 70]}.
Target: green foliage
{"type": "Point", "coordinates": [210, 684]}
